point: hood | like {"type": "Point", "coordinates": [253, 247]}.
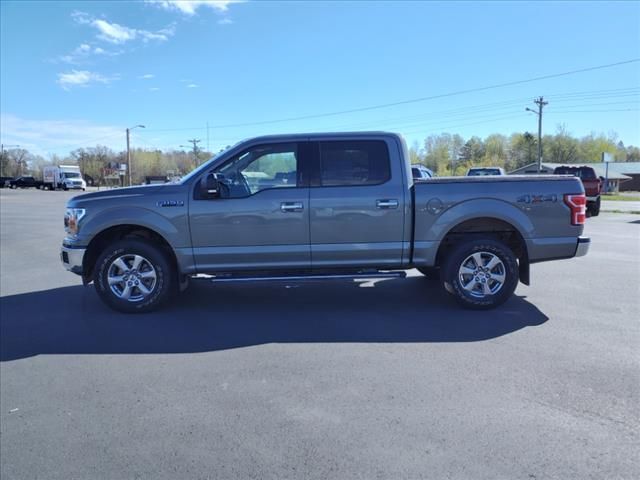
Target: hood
{"type": "Point", "coordinates": [118, 193]}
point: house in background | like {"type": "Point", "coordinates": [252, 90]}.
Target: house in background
{"type": "Point", "coordinates": [622, 175]}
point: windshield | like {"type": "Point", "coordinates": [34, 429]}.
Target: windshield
{"type": "Point", "coordinates": [583, 173]}
{"type": "Point", "coordinates": [71, 175]}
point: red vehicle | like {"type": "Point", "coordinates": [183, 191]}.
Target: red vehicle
{"type": "Point", "coordinates": [591, 182]}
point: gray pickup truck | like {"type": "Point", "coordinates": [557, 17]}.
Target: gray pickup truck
{"type": "Point", "coordinates": [315, 206]}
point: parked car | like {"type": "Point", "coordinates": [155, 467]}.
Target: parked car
{"type": "Point", "coordinates": [591, 182]}
{"type": "Point", "coordinates": [323, 206]}
{"type": "Point", "coordinates": [420, 172]}
{"type": "Point", "coordinates": [481, 171]}
{"type": "Point", "coordinates": [25, 182]}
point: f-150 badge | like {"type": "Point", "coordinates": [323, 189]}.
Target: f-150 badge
{"type": "Point", "coordinates": [170, 203]}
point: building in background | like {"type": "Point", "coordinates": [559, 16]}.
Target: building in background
{"type": "Point", "coordinates": [623, 176]}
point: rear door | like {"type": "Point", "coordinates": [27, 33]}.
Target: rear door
{"type": "Point", "coordinates": [357, 204]}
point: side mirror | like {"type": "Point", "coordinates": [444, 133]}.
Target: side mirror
{"type": "Point", "coordinates": [210, 186]}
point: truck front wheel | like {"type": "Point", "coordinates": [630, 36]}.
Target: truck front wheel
{"type": "Point", "coordinates": [133, 276]}
{"type": "Point", "coordinates": [480, 273]}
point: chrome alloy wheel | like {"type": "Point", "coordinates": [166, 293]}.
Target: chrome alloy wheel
{"type": "Point", "coordinates": [131, 277]}
{"type": "Point", "coordinates": [482, 274]}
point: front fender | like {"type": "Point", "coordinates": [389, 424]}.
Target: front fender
{"type": "Point", "coordinates": [139, 216]}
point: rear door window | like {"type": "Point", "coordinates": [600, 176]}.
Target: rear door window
{"type": "Point", "coordinates": [354, 163]}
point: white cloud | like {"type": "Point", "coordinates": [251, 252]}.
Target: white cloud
{"type": "Point", "coordinates": [81, 17]}
{"type": "Point", "coordinates": [154, 89]}
{"type": "Point", "coordinates": [81, 78]}
{"type": "Point", "coordinates": [225, 21]}
{"type": "Point", "coordinates": [192, 85]}
{"type": "Point", "coordinates": [82, 54]}
{"type": "Point", "coordinates": [112, 32]}
{"type": "Point", "coordinates": [58, 136]}
{"type": "Point", "coordinates": [190, 7]}
{"type": "Point", "coordinates": [147, 76]}
{"type": "Point", "coordinates": [119, 34]}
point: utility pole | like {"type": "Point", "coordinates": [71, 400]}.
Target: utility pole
{"type": "Point", "coordinates": [2, 145]}
{"type": "Point", "coordinates": [208, 136]}
{"type": "Point", "coordinates": [195, 150]}
{"type": "Point", "coordinates": [540, 103]}
{"type": "Point", "coordinates": [129, 152]}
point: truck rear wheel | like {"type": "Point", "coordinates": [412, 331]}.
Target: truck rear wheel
{"type": "Point", "coordinates": [480, 273]}
{"type": "Point", "coordinates": [133, 276]}
{"type": "Point", "coordinates": [594, 208]}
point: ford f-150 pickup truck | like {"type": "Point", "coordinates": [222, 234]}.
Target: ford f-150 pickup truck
{"type": "Point", "coordinates": [317, 206]}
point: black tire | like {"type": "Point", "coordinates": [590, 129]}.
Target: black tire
{"type": "Point", "coordinates": [595, 208]}
{"type": "Point", "coordinates": [460, 255]}
{"type": "Point", "coordinates": [65, 188]}
{"type": "Point", "coordinates": [163, 287]}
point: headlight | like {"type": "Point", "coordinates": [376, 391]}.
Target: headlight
{"type": "Point", "coordinates": [72, 219]}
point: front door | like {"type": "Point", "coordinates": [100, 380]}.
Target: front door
{"type": "Point", "coordinates": [260, 220]}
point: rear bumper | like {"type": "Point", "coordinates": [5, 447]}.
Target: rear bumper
{"type": "Point", "coordinates": [556, 248]}
{"type": "Point", "coordinates": [583, 246]}
{"type": "Point", "coordinates": [72, 258]}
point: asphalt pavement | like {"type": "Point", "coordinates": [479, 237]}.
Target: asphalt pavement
{"type": "Point", "coordinates": [337, 380]}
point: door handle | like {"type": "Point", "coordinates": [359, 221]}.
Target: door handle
{"type": "Point", "coordinates": [288, 207]}
{"type": "Point", "coordinates": [386, 204]}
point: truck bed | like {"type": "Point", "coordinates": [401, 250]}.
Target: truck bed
{"type": "Point", "coordinates": [533, 205]}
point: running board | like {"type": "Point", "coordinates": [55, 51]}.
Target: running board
{"type": "Point", "coordinates": [308, 278]}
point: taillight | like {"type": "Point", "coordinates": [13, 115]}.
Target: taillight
{"type": "Point", "coordinates": [578, 205]}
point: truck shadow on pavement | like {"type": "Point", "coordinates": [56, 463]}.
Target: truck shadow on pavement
{"type": "Point", "coordinates": [73, 320]}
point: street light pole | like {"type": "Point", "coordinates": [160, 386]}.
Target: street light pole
{"type": "Point", "coordinates": [129, 152]}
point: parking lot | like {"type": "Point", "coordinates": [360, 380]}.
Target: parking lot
{"type": "Point", "coordinates": [387, 379]}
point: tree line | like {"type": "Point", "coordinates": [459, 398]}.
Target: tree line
{"type": "Point", "coordinates": [100, 164]}
{"type": "Point", "coordinates": [445, 154]}
{"type": "Point", "coordinates": [451, 154]}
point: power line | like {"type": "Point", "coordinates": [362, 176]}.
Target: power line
{"type": "Point", "coordinates": [570, 96]}
{"type": "Point", "coordinates": [433, 97]}
{"type": "Point", "coordinates": [594, 111]}
{"type": "Point", "coordinates": [508, 117]}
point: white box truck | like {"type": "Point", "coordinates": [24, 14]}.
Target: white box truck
{"type": "Point", "coordinates": [66, 177]}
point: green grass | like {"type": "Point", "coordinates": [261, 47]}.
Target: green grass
{"type": "Point", "coordinates": [621, 198]}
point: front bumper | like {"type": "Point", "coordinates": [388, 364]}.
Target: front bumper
{"type": "Point", "coordinates": [72, 258]}
{"type": "Point", "coordinates": [583, 246]}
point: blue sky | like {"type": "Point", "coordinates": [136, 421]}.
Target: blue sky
{"type": "Point", "coordinates": [74, 74]}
